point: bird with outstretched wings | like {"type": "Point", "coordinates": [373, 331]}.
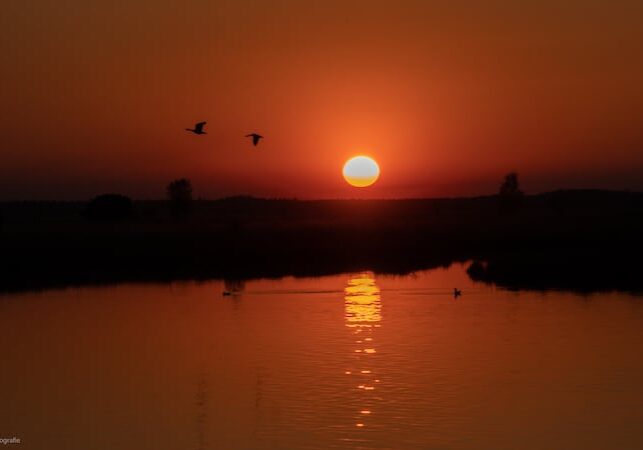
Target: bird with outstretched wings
{"type": "Point", "coordinates": [255, 138]}
{"type": "Point", "coordinates": [198, 128]}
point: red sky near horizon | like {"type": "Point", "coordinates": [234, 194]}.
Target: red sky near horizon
{"type": "Point", "coordinates": [447, 96]}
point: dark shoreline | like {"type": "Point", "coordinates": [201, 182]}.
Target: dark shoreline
{"type": "Point", "coordinates": [572, 240]}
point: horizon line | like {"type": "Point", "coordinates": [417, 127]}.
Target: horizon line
{"type": "Point", "coordinates": [253, 197]}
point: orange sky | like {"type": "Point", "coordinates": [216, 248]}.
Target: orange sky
{"type": "Point", "coordinates": [447, 96]}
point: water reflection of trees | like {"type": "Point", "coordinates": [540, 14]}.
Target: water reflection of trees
{"type": "Point", "coordinates": [234, 285]}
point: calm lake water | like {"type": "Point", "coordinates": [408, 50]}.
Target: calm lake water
{"type": "Point", "coordinates": [353, 361]}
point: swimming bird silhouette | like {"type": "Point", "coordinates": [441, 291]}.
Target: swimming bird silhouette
{"type": "Point", "coordinates": [255, 138]}
{"type": "Point", "coordinates": [198, 128]}
{"type": "Point", "coordinates": [456, 292]}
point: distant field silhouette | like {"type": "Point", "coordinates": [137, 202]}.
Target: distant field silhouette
{"type": "Point", "coordinates": [109, 207]}
{"type": "Point", "coordinates": [581, 240]}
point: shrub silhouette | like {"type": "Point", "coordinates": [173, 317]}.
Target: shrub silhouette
{"type": "Point", "coordinates": [109, 207]}
{"type": "Point", "coordinates": [179, 193]}
{"type": "Point", "coordinates": [477, 271]}
{"type": "Point", "coordinates": [510, 196]}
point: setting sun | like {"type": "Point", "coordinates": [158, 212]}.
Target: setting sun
{"type": "Point", "coordinates": [361, 171]}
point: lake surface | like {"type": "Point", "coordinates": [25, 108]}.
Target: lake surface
{"type": "Point", "coordinates": [352, 361]}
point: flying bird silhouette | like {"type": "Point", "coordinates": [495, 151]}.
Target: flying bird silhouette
{"type": "Point", "coordinates": [456, 292]}
{"type": "Point", "coordinates": [255, 138]}
{"type": "Point", "coordinates": [198, 128]}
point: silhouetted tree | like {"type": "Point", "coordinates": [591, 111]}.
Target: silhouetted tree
{"type": "Point", "coordinates": [510, 195]}
{"type": "Point", "coordinates": [109, 207]}
{"type": "Point", "coordinates": [510, 185]}
{"type": "Point", "coordinates": [179, 193]}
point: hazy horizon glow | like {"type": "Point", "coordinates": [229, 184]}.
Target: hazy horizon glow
{"type": "Point", "coordinates": [453, 95]}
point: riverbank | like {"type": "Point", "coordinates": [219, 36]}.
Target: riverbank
{"type": "Point", "coordinates": [580, 240]}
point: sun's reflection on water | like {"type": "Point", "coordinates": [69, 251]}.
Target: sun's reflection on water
{"type": "Point", "coordinates": [363, 313]}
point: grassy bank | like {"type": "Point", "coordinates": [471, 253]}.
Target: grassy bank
{"type": "Point", "coordinates": [581, 240]}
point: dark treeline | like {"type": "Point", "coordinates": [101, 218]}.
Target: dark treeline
{"type": "Point", "coordinates": [581, 240]}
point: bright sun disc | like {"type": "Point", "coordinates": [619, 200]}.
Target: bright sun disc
{"type": "Point", "coordinates": [361, 171]}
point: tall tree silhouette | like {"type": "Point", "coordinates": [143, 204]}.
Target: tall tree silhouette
{"type": "Point", "coordinates": [510, 195]}
{"type": "Point", "coordinates": [179, 193]}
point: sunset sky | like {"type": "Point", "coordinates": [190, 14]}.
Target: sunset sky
{"type": "Point", "coordinates": [447, 96]}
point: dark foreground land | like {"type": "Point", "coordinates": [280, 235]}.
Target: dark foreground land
{"type": "Point", "coordinates": [579, 240]}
